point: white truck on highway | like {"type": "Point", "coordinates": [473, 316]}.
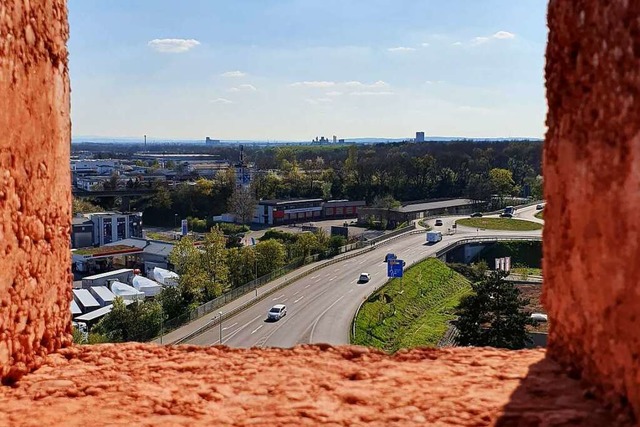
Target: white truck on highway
{"type": "Point", "coordinates": [434, 236]}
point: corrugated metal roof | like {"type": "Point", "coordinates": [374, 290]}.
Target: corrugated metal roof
{"type": "Point", "coordinates": [435, 205]}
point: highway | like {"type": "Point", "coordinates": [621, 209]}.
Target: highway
{"type": "Point", "coordinates": [320, 306]}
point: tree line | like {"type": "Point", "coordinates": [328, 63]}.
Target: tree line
{"type": "Point", "coordinates": [400, 171]}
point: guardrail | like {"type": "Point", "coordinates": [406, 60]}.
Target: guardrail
{"type": "Point", "coordinates": [369, 247]}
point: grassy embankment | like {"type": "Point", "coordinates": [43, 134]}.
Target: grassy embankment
{"type": "Point", "coordinates": [500, 224]}
{"type": "Point", "coordinates": [540, 215]}
{"type": "Point", "coordinates": [413, 312]}
{"type": "Point", "coordinates": [526, 271]}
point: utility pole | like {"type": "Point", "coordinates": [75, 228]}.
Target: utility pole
{"type": "Point", "coordinates": [220, 313]}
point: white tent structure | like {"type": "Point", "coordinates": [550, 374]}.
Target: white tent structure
{"type": "Point", "coordinates": [147, 286]}
{"type": "Point", "coordinates": [126, 292]}
{"type": "Point", "coordinates": [165, 277]}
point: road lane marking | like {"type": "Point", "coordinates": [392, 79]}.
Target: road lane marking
{"type": "Point", "coordinates": [229, 327]}
{"type": "Point", "coordinates": [277, 298]}
{"type": "Point", "coordinates": [314, 277]}
{"type": "Point", "coordinates": [307, 286]}
{"type": "Point", "coordinates": [297, 292]}
{"type": "Point", "coordinates": [285, 300]}
{"type": "Point", "coordinates": [234, 333]}
{"type": "Point", "coordinates": [256, 329]}
{"type": "Point", "coordinates": [298, 299]}
{"type": "Point", "coordinates": [333, 278]}
{"type": "Point", "coordinates": [313, 328]}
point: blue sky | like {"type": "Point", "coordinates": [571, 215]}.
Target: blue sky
{"type": "Point", "coordinates": [297, 69]}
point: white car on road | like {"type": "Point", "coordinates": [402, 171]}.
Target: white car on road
{"type": "Point", "coordinates": [277, 312]}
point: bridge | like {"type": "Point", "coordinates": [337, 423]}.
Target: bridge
{"type": "Point", "coordinates": [129, 192]}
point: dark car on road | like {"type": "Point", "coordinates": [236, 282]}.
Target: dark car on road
{"type": "Point", "coordinates": [476, 215]}
{"type": "Point", "coordinates": [438, 222]}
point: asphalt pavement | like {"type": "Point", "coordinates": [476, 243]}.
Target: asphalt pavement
{"type": "Point", "coordinates": [321, 306]}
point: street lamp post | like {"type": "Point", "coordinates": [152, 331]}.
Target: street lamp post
{"type": "Point", "coordinates": [220, 313]}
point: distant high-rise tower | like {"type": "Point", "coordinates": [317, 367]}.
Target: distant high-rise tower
{"type": "Point", "coordinates": [244, 171]}
{"type": "Point", "coordinates": [335, 139]}
{"type": "Point", "coordinates": [210, 141]}
{"type": "Point", "coordinates": [419, 136]}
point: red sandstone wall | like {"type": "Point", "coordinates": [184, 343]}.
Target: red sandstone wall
{"type": "Point", "coordinates": [34, 183]}
{"type": "Point", "coordinates": [592, 185]}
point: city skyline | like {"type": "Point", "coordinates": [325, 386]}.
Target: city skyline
{"type": "Point", "coordinates": [293, 70]}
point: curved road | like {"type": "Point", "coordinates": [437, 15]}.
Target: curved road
{"type": "Point", "coordinates": [320, 306]}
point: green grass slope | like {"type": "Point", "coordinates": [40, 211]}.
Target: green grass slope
{"type": "Point", "coordinates": [500, 224]}
{"type": "Point", "coordinates": [412, 312]}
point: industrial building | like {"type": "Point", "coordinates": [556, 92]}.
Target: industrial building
{"type": "Point", "coordinates": [99, 229]}
{"type": "Point", "coordinates": [409, 212]}
{"type": "Point", "coordinates": [274, 212]}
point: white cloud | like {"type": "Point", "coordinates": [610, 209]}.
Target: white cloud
{"type": "Point", "coordinates": [401, 49]}
{"type": "Point", "coordinates": [221, 101]}
{"type": "Point", "coordinates": [356, 83]}
{"type": "Point", "coordinates": [233, 74]}
{"type": "Point", "coordinates": [173, 45]}
{"type": "Point", "coordinates": [370, 93]}
{"type": "Point", "coordinates": [479, 40]}
{"type": "Point", "coordinates": [425, 44]}
{"type": "Point", "coordinates": [314, 84]}
{"type": "Point", "coordinates": [334, 93]}
{"type": "Point", "coordinates": [500, 35]}
{"type": "Point", "coordinates": [503, 35]}
{"type": "Point", "coordinates": [243, 88]}
{"type": "Point", "coordinates": [456, 44]}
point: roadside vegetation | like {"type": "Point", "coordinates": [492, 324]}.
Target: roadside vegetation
{"type": "Point", "coordinates": [413, 311]}
{"type": "Point", "coordinates": [494, 315]}
{"type": "Point", "coordinates": [500, 224]}
{"type": "Point", "coordinates": [540, 215]}
{"type": "Point", "coordinates": [525, 272]}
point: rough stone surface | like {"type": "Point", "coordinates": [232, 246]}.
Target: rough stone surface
{"type": "Point", "coordinates": [137, 384]}
{"type": "Point", "coordinates": [34, 184]}
{"type": "Point", "coordinates": [592, 186]}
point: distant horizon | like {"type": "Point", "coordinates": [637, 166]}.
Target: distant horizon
{"type": "Point", "coordinates": [150, 140]}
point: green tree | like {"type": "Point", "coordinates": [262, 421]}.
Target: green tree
{"type": "Point", "coordinates": [84, 206]}
{"type": "Point", "coordinates": [335, 243]}
{"type": "Point", "coordinates": [305, 244]}
{"type": "Point", "coordinates": [161, 198]}
{"type": "Point", "coordinates": [385, 202]}
{"type": "Point", "coordinates": [187, 259]}
{"type": "Point", "coordinates": [214, 263]}
{"type": "Point", "coordinates": [493, 315]}
{"type": "Point", "coordinates": [271, 255]}
{"type": "Point", "coordinates": [172, 301]}
{"type": "Point", "coordinates": [502, 181]}
{"type": "Point", "coordinates": [116, 325]}
{"type": "Point", "coordinates": [242, 265]}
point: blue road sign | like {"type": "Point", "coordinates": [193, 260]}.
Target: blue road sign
{"type": "Point", "coordinates": [395, 268]}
